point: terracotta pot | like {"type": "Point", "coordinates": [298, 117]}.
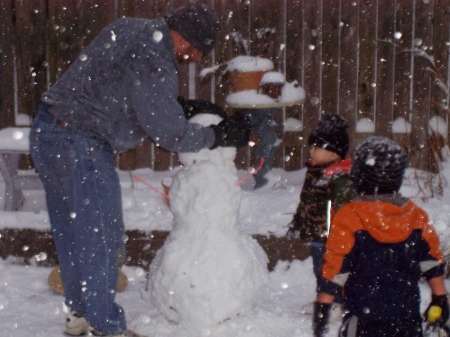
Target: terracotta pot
{"type": "Point", "coordinates": [246, 80]}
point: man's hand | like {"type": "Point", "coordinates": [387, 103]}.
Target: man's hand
{"type": "Point", "coordinates": [437, 313]}
{"type": "Point", "coordinates": [232, 131]}
{"type": "Point", "coordinates": [294, 227]}
{"type": "Point", "coordinates": [320, 318]}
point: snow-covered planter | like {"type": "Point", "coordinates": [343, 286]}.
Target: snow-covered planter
{"type": "Point", "coordinates": [245, 72]}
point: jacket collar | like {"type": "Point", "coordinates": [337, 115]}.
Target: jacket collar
{"type": "Point", "coordinates": [395, 198]}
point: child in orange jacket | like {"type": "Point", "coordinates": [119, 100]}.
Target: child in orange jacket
{"type": "Point", "coordinates": [380, 245]}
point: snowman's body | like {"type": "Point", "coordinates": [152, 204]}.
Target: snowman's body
{"type": "Point", "coordinates": [207, 271]}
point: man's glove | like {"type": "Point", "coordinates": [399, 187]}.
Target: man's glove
{"type": "Point", "coordinates": [320, 318]}
{"type": "Point", "coordinates": [192, 107]}
{"type": "Point", "coordinates": [294, 227]}
{"type": "Point", "coordinates": [232, 131]}
{"type": "Point", "coordinates": [437, 312]}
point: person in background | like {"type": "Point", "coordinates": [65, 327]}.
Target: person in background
{"type": "Point", "coordinates": [380, 245]}
{"type": "Point", "coordinates": [327, 187]}
{"type": "Point", "coordinates": [122, 89]}
{"type": "Point", "coordinates": [263, 123]}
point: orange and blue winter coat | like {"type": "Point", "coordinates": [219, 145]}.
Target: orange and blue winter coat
{"type": "Point", "coordinates": [377, 250]}
{"type": "Point", "coordinates": [326, 188]}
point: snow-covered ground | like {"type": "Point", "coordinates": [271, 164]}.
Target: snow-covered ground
{"type": "Point", "coordinates": [28, 307]}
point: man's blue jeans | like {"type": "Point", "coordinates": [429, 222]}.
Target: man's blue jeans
{"type": "Point", "coordinates": [85, 208]}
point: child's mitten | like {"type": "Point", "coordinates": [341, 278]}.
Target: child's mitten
{"type": "Point", "coordinates": [437, 312]}
{"type": "Point", "coordinates": [320, 318]}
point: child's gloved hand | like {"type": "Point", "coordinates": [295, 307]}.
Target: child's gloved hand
{"type": "Point", "coordinates": [294, 227]}
{"type": "Point", "coordinates": [437, 312]}
{"type": "Point", "coordinates": [320, 318]}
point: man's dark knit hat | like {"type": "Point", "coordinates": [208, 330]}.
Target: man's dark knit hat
{"type": "Point", "coordinates": [197, 23]}
{"type": "Point", "coordinates": [379, 164]}
{"type": "Point", "coordinates": [331, 134]}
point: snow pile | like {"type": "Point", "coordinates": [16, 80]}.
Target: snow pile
{"type": "Point", "coordinates": [365, 125]}
{"type": "Point", "coordinates": [15, 138]}
{"type": "Point", "coordinates": [240, 64]}
{"type": "Point", "coordinates": [291, 92]}
{"type": "Point", "coordinates": [249, 63]}
{"type": "Point", "coordinates": [272, 77]}
{"type": "Point", "coordinates": [439, 126]}
{"type": "Point", "coordinates": [293, 125]}
{"type": "Point", "coordinates": [248, 97]}
{"type": "Point", "coordinates": [401, 125]}
{"type": "Point", "coordinates": [207, 271]}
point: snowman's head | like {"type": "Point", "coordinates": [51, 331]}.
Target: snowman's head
{"type": "Point", "coordinates": [220, 155]}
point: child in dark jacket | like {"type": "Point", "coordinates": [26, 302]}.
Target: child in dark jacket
{"type": "Point", "coordinates": [380, 245]}
{"type": "Point", "coordinates": [327, 187]}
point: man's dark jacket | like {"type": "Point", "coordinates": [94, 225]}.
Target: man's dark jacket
{"type": "Point", "coordinates": [123, 88]}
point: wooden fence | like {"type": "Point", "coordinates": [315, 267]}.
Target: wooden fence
{"type": "Point", "coordinates": [376, 59]}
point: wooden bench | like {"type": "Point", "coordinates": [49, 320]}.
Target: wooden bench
{"type": "Point", "coordinates": [14, 142]}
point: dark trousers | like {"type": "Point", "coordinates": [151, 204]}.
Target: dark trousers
{"type": "Point", "coordinates": [352, 326]}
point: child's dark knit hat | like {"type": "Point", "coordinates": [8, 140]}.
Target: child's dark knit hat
{"type": "Point", "coordinates": [197, 23]}
{"type": "Point", "coordinates": [379, 164]}
{"type": "Point", "coordinates": [331, 134]}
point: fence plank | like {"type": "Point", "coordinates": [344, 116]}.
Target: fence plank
{"type": "Point", "coordinates": [205, 90]}
{"type": "Point", "coordinates": [330, 56]}
{"type": "Point", "coordinates": [385, 68]}
{"type": "Point", "coordinates": [293, 141]}
{"type": "Point", "coordinates": [135, 8]}
{"type": "Point", "coordinates": [348, 67]}
{"type": "Point", "coordinates": [239, 23]}
{"type": "Point", "coordinates": [65, 35]}
{"type": "Point", "coordinates": [402, 79]}
{"type": "Point", "coordinates": [402, 40]}
{"type": "Point", "coordinates": [367, 61]}
{"type": "Point", "coordinates": [7, 64]}
{"type": "Point", "coordinates": [31, 53]}
{"type": "Point", "coordinates": [441, 38]}
{"type": "Point", "coordinates": [313, 69]}
{"type": "Point", "coordinates": [269, 17]}
{"type": "Point", "coordinates": [96, 16]}
{"type": "Point", "coordinates": [420, 155]}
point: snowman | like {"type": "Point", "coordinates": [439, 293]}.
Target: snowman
{"type": "Point", "coordinates": [207, 271]}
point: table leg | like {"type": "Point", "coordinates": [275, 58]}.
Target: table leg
{"type": "Point", "coordinates": [9, 166]}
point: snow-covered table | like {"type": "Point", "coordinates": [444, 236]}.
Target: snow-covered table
{"type": "Point", "coordinates": [14, 142]}
{"type": "Point", "coordinates": [291, 94]}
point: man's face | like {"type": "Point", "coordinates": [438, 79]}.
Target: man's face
{"type": "Point", "coordinates": [187, 53]}
{"type": "Point", "coordinates": [320, 156]}
{"type": "Point", "coordinates": [184, 51]}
